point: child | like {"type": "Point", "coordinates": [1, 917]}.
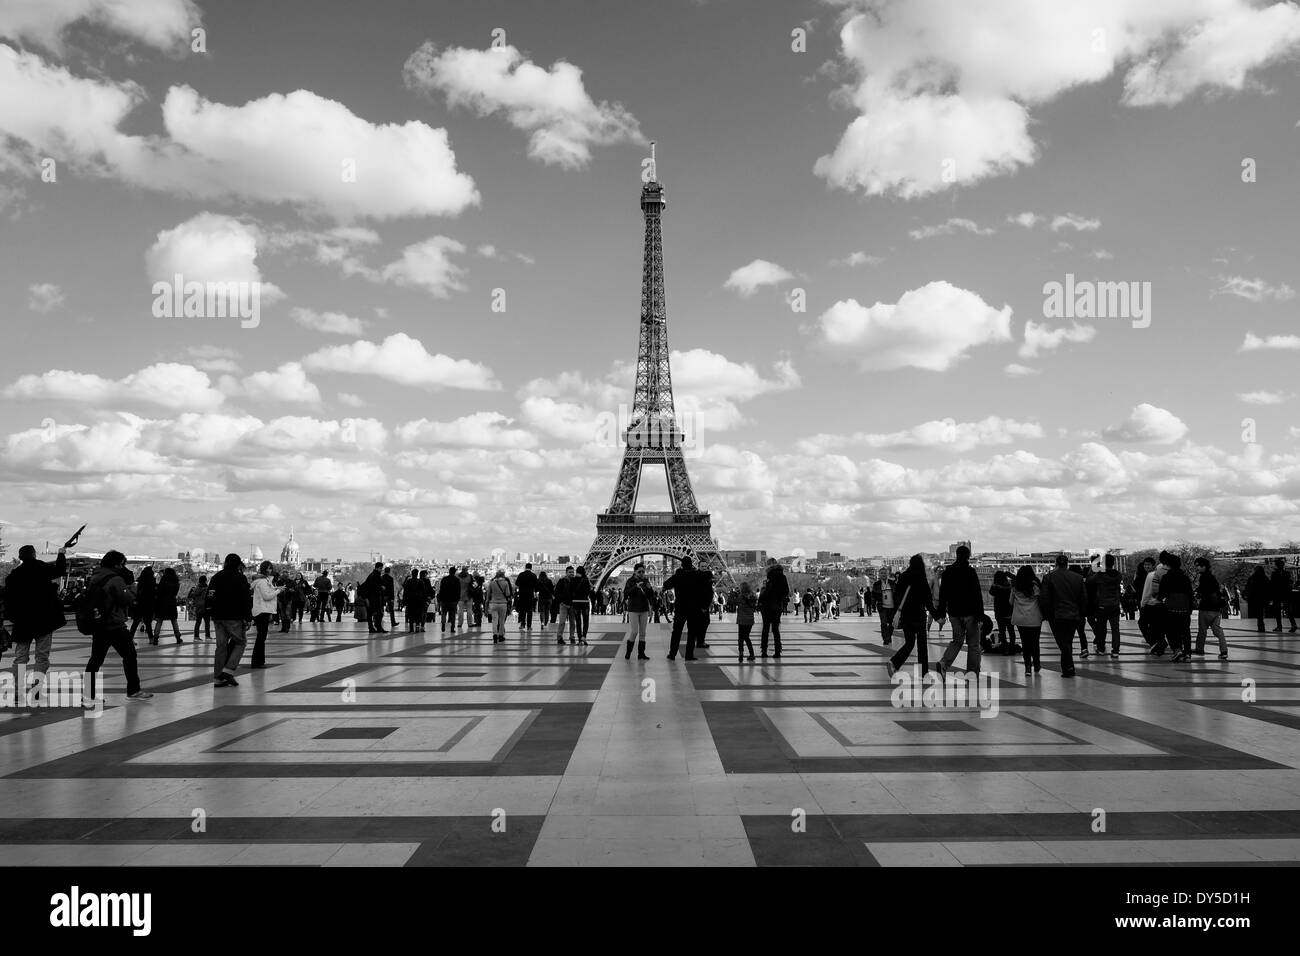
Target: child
{"type": "Point", "coordinates": [745, 605]}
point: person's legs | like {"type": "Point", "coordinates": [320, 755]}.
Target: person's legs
{"type": "Point", "coordinates": [1029, 644]}
{"type": "Point", "coordinates": [263, 622]}
{"type": "Point", "coordinates": [1111, 617]}
{"type": "Point", "coordinates": [973, 649]}
{"type": "Point", "coordinates": [1063, 631]}
{"type": "Point", "coordinates": [957, 642]}
{"type": "Point", "coordinates": [694, 630]}
{"type": "Point", "coordinates": [776, 635]}
{"type": "Point", "coordinates": [742, 640]}
{"type": "Point", "coordinates": [1217, 628]}
{"type": "Point", "coordinates": [499, 612]}
{"type": "Point", "coordinates": [679, 621]}
{"type": "Point", "coordinates": [910, 634]}
{"type": "Point", "coordinates": [125, 647]}
{"type": "Point", "coordinates": [561, 619]}
{"type": "Point", "coordinates": [767, 626]}
{"type": "Point", "coordinates": [236, 641]}
{"type": "Point", "coordinates": [584, 618]}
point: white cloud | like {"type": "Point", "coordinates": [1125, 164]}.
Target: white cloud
{"type": "Point", "coordinates": [552, 106]}
{"type": "Point", "coordinates": [1254, 343]}
{"type": "Point", "coordinates": [1016, 370]}
{"type": "Point", "coordinates": [949, 228]}
{"type": "Point", "coordinates": [1100, 254]}
{"type": "Point", "coordinates": [44, 297]}
{"type": "Point", "coordinates": [479, 430]}
{"type": "Point", "coordinates": [1040, 337]}
{"type": "Point", "coordinates": [333, 323]}
{"type": "Point", "coordinates": [212, 358]}
{"type": "Point", "coordinates": [946, 434]}
{"type": "Point", "coordinates": [1147, 423]}
{"type": "Point", "coordinates": [164, 24]}
{"type": "Point", "coordinates": [164, 385]}
{"type": "Point", "coordinates": [1026, 219]}
{"type": "Point", "coordinates": [932, 327]}
{"type": "Point", "coordinates": [351, 400]}
{"type": "Point", "coordinates": [311, 474]}
{"type": "Point", "coordinates": [1078, 223]}
{"type": "Point", "coordinates": [858, 258]}
{"type": "Point", "coordinates": [288, 383]}
{"type": "Point", "coordinates": [210, 248]}
{"type": "Point", "coordinates": [427, 265]}
{"type": "Point", "coordinates": [1254, 290]}
{"type": "Point", "coordinates": [945, 90]}
{"type": "Point", "coordinates": [283, 148]}
{"type": "Point", "coordinates": [748, 279]}
{"type": "Point", "coordinates": [404, 360]}
{"type": "Point", "coordinates": [1265, 398]}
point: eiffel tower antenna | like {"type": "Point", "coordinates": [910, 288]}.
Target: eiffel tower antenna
{"type": "Point", "coordinates": [653, 436]}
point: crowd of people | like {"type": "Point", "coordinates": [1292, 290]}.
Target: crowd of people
{"type": "Point", "coordinates": [1071, 601]}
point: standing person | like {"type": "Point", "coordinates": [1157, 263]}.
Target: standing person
{"type": "Point", "coordinates": [1149, 622]}
{"type": "Point", "coordinates": [707, 595]}
{"type": "Point", "coordinates": [465, 603]}
{"type": "Point", "coordinates": [146, 587]}
{"type": "Point", "coordinates": [500, 596]}
{"type": "Point", "coordinates": [746, 602]}
{"type": "Point", "coordinates": [774, 600]}
{"type": "Point", "coordinates": [390, 598]}
{"type": "Point", "coordinates": [1027, 616]}
{"type": "Point", "coordinates": [231, 601]}
{"type": "Point", "coordinates": [1176, 598]}
{"type": "Point", "coordinates": [638, 596]}
{"type": "Point", "coordinates": [413, 602]}
{"type": "Point", "coordinates": [545, 595]}
{"type": "Point", "coordinates": [886, 605]}
{"type": "Point", "coordinates": [1279, 586]}
{"type": "Point", "coordinates": [692, 590]}
{"type": "Point", "coordinates": [112, 596]}
{"type": "Point", "coordinates": [806, 601]}
{"type": "Point", "coordinates": [164, 607]}
{"type": "Point", "coordinates": [962, 599]}
{"type": "Point", "coordinates": [1065, 597]}
{"type": "Point", "coordinates": [266, 596]}
{"type": "Point", "coordinates": [1000, 591]}
{"type": "Point", "coordinates": [371, 594]}
{"type": "Point", "coordinates": [914, 603]}
{"type": "Point", "coordinates": [323, 589]}
{"type": "Point", "coordinates": [476, 599]}
{"type": "Point", "coordinates": [526, 588]}
{"type": "Point", "coordinates": [1106, 588]}
{"type": "Point", "coordinates": [430, 598]}
{"type": "Point", "coordinates": [283, 601]}
{"type": "Point", "coordinates": [448, 599]}
{"type": "Point", "coordinates": [198, 598]}
{"type": "Point", "coordinates": [32, 605]}
{"type": "Point", "coordinates": [1210, 608]}
{"type": "Point", "coordinates": [563, 594]}
{"type": "Point", "coordinates": [1257, 588]}
{"type": "Point", "coordinates": [580, 605]}
{"type": "Point", "coordinates": [862, 601]}
{"type": "Point", "coordinates": [340, 599]}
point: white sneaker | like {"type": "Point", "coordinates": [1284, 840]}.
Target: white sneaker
{"type": "Point", "coordinates": [140, 695]}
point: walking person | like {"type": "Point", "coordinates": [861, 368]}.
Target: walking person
{"type": "Point", "coordinates": [693, 591]}
{"type": "Point", "coordinates": [230, 599]}
{"type": "Point", "coordinates": [500, 597]}
{"type": "Point", "coordinates": [1257, 589]}
{"type": "Point", "coordinates": [33, 607]}
{"type": "Point", "coordinates": [390, 597]}
{"type": "Point", "coordinates": [323, 589]}
{"type": "Point", "coordinates": [1176, 594]}
{"type": "Point", "coordinates": [266, 596]}
{"type": "Point", "coordinates": [545, 595]}
{"type": "Point", "coordinates": [772, 603]}
{"type": "Point", "coordinates": [746, 603]}
{"type": "Point", "coordinates": [1027, 616]}
{"type": "Point", "coordinates": [1065, 597]}
{"type": "Point", "coordinates": [371, 595]}
{"type": "Point", "coordinates": [962, 599]}
{"type": "Point", "coordinates": [448, 600]}
{"type": "Point", "coordinates": [638, 597]}
{"type": "Point", "coordinates": [146, 587]}
{"type": "Point", "coordinates": [111, 596]}
{"type": "Point", "coordinates": [465, 603]}
{"type": "Point", "coordinates": [580, 605]}
{"type": "Point", "coordinates": [1209, 595]}
{"type": "Point", "coordinates": [340, 599]}
{"type": "Point", "coordinates": [1149, 622]}
{"type": "Point", "coordinates": [1000, 591]}
{"type": "Point", "coordinates": [283, 602]}
{"type": "Point", "coordinates": [526, 589]}
{"type": "Point", "coordinates": [885, 601]}
{"type": "Point", "coordinates": [1279, 586]}
{"type": "Point", "coordinates": [198, 598]}
{"type": "Point", "coordinates": [563, 594]}
{"type": "Point", "coordinates": [1105, 596]}
{"type": "Point", "coordinates": [915, 602]}
{"type": "Point", "coordinates": [413, 602]}
{"type": "Point", "coordinates": [164, 607]}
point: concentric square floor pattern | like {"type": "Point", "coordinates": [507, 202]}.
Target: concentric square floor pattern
{"type": "Point", "coordinates": [418, 749]}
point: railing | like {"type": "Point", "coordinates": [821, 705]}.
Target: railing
{"type": "Point", "coordinates": [652, 519]}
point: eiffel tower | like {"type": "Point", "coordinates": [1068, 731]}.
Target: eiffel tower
{"type": "Point", "coordinates": [654, 436]}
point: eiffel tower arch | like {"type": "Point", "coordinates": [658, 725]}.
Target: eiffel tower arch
{"type": "Point", "coordinates": [654, 437]}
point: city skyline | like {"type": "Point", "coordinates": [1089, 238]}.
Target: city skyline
{"type": "Point", "coordinates": [1027, 314]}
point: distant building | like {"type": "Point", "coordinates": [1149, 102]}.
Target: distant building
{"type": "Point", "coordinates": [289, 553]}
{"type": "Point", "coordinates": [830, 557]}
{"type": "Point", "coordinates": [744, 559]}
{"type": "Point", "coordinates": [952, 548]}
{"type": "Point", "coordinates": [255, 556]}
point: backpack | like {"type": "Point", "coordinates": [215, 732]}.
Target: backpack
{"type": "Point", "coordinates": [88, 608]}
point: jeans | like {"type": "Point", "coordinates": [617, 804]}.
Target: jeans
{"type": "Point", "coordinates": [263, 623]}
{"type": "Point", "coordinates": [965, 630]}
{"type": "Point", "coordinates": [561, 618]}
{"type": "Point", "coordinates": [158, 625]}
{"type": "Point", "coordinates": [1063, 630]}
{"type": "Point", "coordinates": [1178, 630]}
{"type": "Point", "coordinates": [771, 621]}
{"type": "Point", "coordinates": [43, 644]}
{"type": "Point", "coordinates": [119, 639]}
{"type": "Point", "coordinates": [448, 609]}
{"type": "Point", "coordinates": [375, 615]}
{"type": "Point", "coordinates": [500, 611]}
{"type": "Point", "coordinates": [1151, 624]}
{"type": "Point", "coordinates": [231, 638]}
{"type": "Point", "coordinates": [205, 619]}
{"type": "Point", "coordinates": [1005, 628]}
{"type": "Point", "coordinates": [526, 613]}
{"type": "Point", "coordinates": [742, 639]}
{"type": "Point", "coordinates": [580, 615]}
{"type": "Point", "coordinates": [636, 625]}
{"type": "Point", "coordinates": [1210, 620]}
{"type": "Point", "coordinates": [464, 610]}
{"type": "Point", "coordinates": [1106, 615]}
{"type": "Point", "coordinates": [1029, 636]}
{"type": "Point", "coordinates": [695, 622]}
{"type": "Point", "coordinates": [913, 636]}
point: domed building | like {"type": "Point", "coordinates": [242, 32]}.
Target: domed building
{"type": "Point", "coordinates": [255, 556]}
{"type": "Point", "coordinates": [289, 553]}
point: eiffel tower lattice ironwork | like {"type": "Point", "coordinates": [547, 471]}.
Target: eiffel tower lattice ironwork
{"type": "Point", "coordinates": [654, 437]}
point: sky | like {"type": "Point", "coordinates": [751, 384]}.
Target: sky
{"type": "Point", "coordinates": [868, 204]}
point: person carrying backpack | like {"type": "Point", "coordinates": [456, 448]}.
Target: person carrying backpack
{"type": "Point", "coordinates": [108, 597]}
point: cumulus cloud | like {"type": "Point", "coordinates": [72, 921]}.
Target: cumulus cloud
{"type": "Point", "coordinates": [858, 258]}
{"type": "Point", "coordinates": [932, 328]}
{"type": "Point", "coordinates": [404, 360]}
{"type": "Point", "coordinates": [164, 24]}
{"type": "Point", "coordinates": [951, 227]}
{"type": "Point", "coordinates": [1016, 370]}
{"type": "Point", "coordinates": [1040, 337]}
{"type": "Point", "coordinates": [552, 106]}
{"type": "Point", "coordinates": [44, 297]}
{"type": "Point", "coordinates": [1255, 343]}
{"type": "Point", "coordinates": [427, 265]}
{"type": "Point", "coordinates": [1078, 223]}
{"type": "Point", "coordinates": [748, 279]}
{"type": "Point", "coordinates": [163, 385]}
{"type": "Point", "coordinates": [288, 383]}
{"type": "Point", "coordinates": [1254, 290]}
{"type": "Point", "coordinates": [1265, 398]}
{"type": "Point", "coordinates": [946, 434]}
{"type": "Point", "coordinates": [479, 430]}
{"type": "Point", "coordinates": [1147, 423]}
{"type": "Point", "coordinates": [936, 109]}
{"type": "Point", "coordinates": [210, 248]}
{"type": "Point", "coordinates": [332, 323]}
{"type": "Point", "coordinates": [298, 149]}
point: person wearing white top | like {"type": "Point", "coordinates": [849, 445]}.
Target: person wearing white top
{"type": "Point", "coordinates": [265, 594]}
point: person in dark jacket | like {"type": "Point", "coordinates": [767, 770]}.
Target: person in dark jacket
{"type": "Point", "coordinates": [1209, 609]}
{"type": "Point", "coordinates": [1176, 594]}
{"type": "Point", "coordinates": [706, 589]}
{"type": "Point", "coordinates": [962, 599]}
{"type": "Point", "coordinates": [323, 589]}
{"type": "Point", "coordinates": [372, 594]}
{"type": "Point", "coordinates": [413, 602]}
{"type": "Point", "coordinates": [32, 606]}
{"type": "Point", "coordinates": [476, 595]}
{"type": "Point", "coordinates": [448, 598]}
{"type": "Point", "coordinates": [563, 594]}
{"type": "Point", "coordinates": [1257, 596]}
{"type": "Point", "coordinates": [545, 595]}
{"type": "Point", "coordinates": [390, 598]}
{"type": "Point", "coordinates": [771, 605]}
{"type": "Point", "coordinates": [692, 597]}
{"type": "Point", "coordinates": [230, 599]}
{"type": "Point", "coordinates": [164, 607]}
{"type": "Point", "coordinates": [638, 598]}
{"type": "Point", "coordinates": [198, 598]}
{"type": "Point", "coordinates": [746, 603]}
{"type": "Point", "coordinates": [112, 594]}
{"type": "Point", "coordinates": [1065, 598]}
{"type": "Point", "coordinates": [146, 589]}
{"type": "Point", "coordinates": [1000, 591]}
{"type": "Point", "coordinates": [912, 591]}
{"type": "Point", "coordinates": [1280, 592]}
{"type": "Point", "coordinates": [1104, 589]}
{"type": "Point", "coordinates": [580, 605]}
{"type": "Point", "coordinates": [526, 591]}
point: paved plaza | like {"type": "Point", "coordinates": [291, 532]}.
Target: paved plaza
{"type": "Point", "coordinates": [415, 749]}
